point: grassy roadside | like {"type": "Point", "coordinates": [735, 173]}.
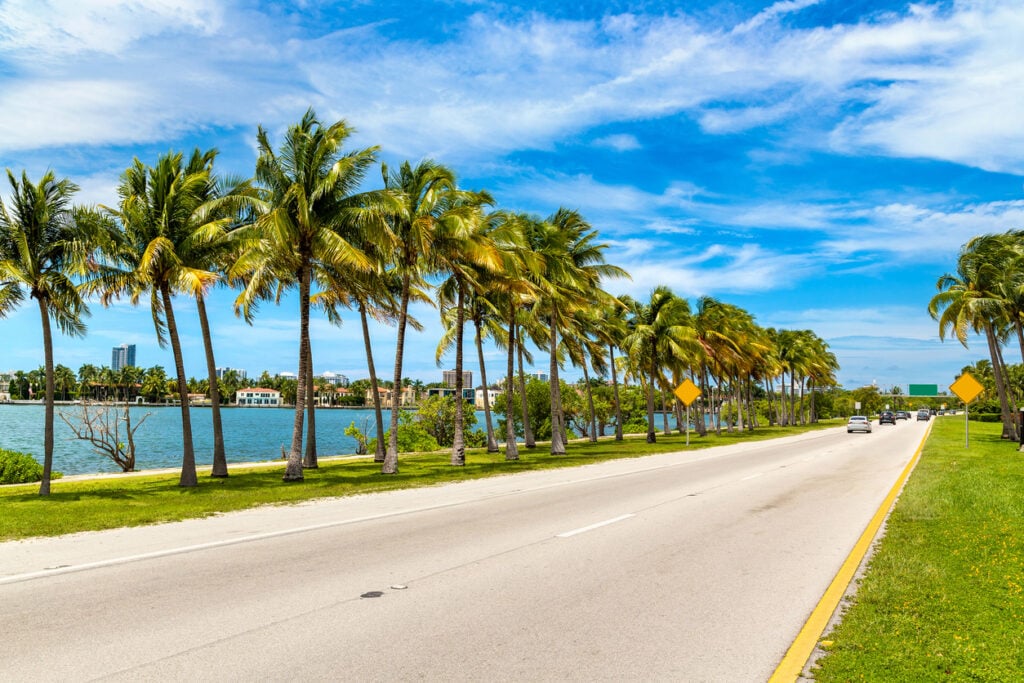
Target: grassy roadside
{"type": "Point", "coordinates": [943, 595]}
{"type": "Point", "coordinates": [88, 505]}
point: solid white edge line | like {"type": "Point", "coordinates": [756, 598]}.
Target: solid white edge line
{"type": "Point", "coordinates": [567, 534]}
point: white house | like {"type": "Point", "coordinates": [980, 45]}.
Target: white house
{"type": "Point", "coordinates": [492, 393]}
{"type": "Point", "coordinates": [255, 396]}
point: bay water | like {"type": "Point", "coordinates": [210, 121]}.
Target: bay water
{"type": "Point", "coordinates": [250, 435]}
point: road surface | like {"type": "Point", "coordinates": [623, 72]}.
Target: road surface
{"type": "Point", "coordinates": [695, 566]}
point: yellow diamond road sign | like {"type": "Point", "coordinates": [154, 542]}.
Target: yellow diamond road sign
{"type": "Point", "coordinates": [966, 388]}
{"type": "Point", "coordinates": [687, 392]}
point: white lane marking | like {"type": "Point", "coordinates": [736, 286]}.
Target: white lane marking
{"type": "Point", "coordinates": [567, 534]}
{"type": "Point", "coordinates": [752, 476]}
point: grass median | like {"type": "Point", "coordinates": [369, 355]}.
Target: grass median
{"type": "Point", "coordinates": [107, 503]}
{"type": "Point", "coordinates": [943, 594]}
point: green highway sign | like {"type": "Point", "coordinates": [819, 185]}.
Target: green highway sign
{"type": "Point", "coordinates": [923, 390]}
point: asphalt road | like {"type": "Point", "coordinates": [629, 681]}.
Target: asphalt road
{"type": "Point", "coordinates": [698, 566]}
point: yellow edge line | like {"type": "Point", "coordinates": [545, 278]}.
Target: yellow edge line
{"type": "Point", "coordinates": [792, 665]}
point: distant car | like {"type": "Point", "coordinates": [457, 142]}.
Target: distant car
{"type": "Point", "coordinates": [858, 423]}
{"type": "Point", "coordinates": [886, 417]}
{"type": "Point", "coordinates": [924, 414]}
{"type": "Point", "coordinates": [902, 415]}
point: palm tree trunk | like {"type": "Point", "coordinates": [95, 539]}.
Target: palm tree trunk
{"type": "Point", "coordinates": [511, 447]}
{"type": "Point", "coordinates": [310, 460]}
{"type": "Point", "coordinates": [458, 439]}
{"type": "Point", "coordinates": [188, 458]}
{"type": "Point", "coordinates": [557, 418]}
{"type": "Point", "coordinates": [528, 438]}
{"type": "Point", "coordinates": [590, 404]}
{"type": "Point", "coordinates": [378, 414]}
{"type": "Point", "coordinates": [651, 436]}
{"type": "Point", "coordinates": [492, 441]}
{"type": "Point", "coordinates": [293, 470]}
{"type": "Point", "coordinates": [220, 461]}
{"type": "Point", "coordinates": [44, 485]}
{"type": "Point", "coordinates": [615, 390]}
{"type": "Point", "coordinates": [1009, 431]}
{"type": "Point", "coordinates": [390, 465]}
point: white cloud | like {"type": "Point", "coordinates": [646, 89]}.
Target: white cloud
{"type": "Point", "coordinates": [621, 142]}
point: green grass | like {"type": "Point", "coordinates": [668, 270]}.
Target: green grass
{"type": "Point", "coordinates": [116, 502]}
{"type": "Point", "coordinates": [943, 596]}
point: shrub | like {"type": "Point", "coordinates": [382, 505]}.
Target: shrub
{"type": "Point", "coordinates": [20, 468]}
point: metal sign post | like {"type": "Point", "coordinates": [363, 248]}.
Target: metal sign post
{"type": "Point", "coordinates": [687, 392]}
{"type": "Point", "coordinates": [967, 389]}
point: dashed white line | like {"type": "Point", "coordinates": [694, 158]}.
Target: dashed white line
{"type": "Point", "coordinates": [567, 534]}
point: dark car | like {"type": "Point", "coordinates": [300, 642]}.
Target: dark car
{"type": "Point", "coordinates": [902, 415]}
{"type": "Point", "coordinates": [886, 417]}
{"type": "Point", "coordinates": [924, 414]}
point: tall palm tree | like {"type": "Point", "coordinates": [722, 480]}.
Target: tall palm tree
{"type": "Point", "coordinates": [970, 300]}
{"type": "Point", "coordinates": [162, 215]}
{"type": "Point", "coordinates": [421, 192]}
{"type": "Point", "coordinates": [658, 331]}
{"type": "Point", "coordinates": [463, 249]}
{"type": "Point", "coordinates": [312, 211]}
{"type": "Point", "coordinates": [44, 244]}
{"type": "Point", "coordinates": [574, 265]}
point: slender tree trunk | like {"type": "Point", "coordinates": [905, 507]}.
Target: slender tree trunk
{"type": "Point", "coordinates": [458, 438]}
{"type": "Point", "coordinates": [492, 441]}
{"type": "Point", "coordinates": [378, 414]}
{"type": "Point", "coordinates": [557, 418]}
{"type": "Point", "coordinates": [528, 438]}
{"type": "Point", "coordinates": [664, 412]}
{"type": "Point", "coordinates": [44, 485]}
{"type": "Point", "coordinates": [188, 459]}
{"type": "Point", "coordinates": [651, 436]}
{"type": "Point", "coordinates": [293, 469]}
{"type": "Point", "coordinates": [615, 390]}
{"type": "Point", "coordinates": [1009, 430]}
{"type": "Point", "coordinates": [390, 465]}
{"type": "Point", "coordinates": [310, 460]}
{"type": "Point", "coordinates": [220, 461]}
{"type": "Point", "coordinates": [590, 404]}
{"type": "Point", "coordinates": [511, 447]}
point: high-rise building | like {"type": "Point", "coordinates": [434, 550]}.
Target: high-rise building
{"type": "Point", "coordinates": [242, 374]}
{"type": "Point", "coordinates": [449, 377]}
{"type": "Point", "coordinates": [122, 356]}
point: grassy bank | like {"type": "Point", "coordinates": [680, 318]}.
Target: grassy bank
{"type": "Point", "coordinates": [115, 502]}
{"type": "Point", "coordinates": [943, 597]}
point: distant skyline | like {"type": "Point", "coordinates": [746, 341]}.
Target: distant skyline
{"type": "Point", "coordinates": [818, 163]}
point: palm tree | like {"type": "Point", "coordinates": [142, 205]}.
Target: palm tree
{"type": "Point", "coordinates": [970, 300]}
{"type": "Point", "coordinates": [162, 214]}
{"type": "Point", "coordinates": [422, 192]}
{"type": "Point", "coordinates": [312, 209]}
{"type": "Point", "coordinates": [657, 332]}
{"type": "Point", "coordinates": [466, 250]}
{"type": "Point", "coordinates": [573, 267]}
{"type": "Point", "coordinates": [44, 244]}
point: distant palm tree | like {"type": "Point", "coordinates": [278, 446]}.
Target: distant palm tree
{"type": "Point", "coordinates": [44, 244]}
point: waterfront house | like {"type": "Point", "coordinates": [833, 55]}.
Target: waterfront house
{"type": "Point", "coordinates": [492, 393]}
{"type": "Point", "coordinates": [408, 397]}
{"type": "Point", "coordinates": [257, 396]}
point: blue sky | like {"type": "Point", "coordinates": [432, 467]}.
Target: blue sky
{"type": "Point", "coordinates": [817, 163]}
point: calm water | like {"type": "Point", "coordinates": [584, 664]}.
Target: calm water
{"type": "Point", "coordinates": [250, 434]}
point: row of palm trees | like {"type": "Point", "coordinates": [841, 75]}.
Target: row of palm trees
{"type": "Point", "coordinates": [985, 296]}
{"type": "Point", "coordinates": [304, 223]}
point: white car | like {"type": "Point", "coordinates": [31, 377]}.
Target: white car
{"type": "Point", "coordinates": [858, 423]}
